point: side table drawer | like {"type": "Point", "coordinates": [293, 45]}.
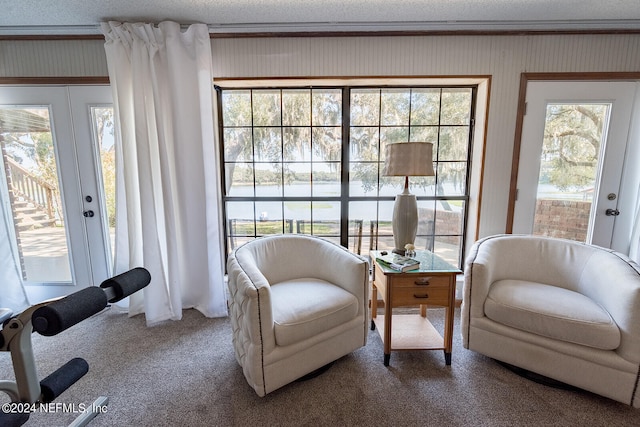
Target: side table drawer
{"type": "Point", "coordinates": [417, 295]}
{"type": "Point", "coordinates": [421, 281]}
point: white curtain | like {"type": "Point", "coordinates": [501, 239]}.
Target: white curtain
{"type": "Point", "coordinates": [632, 179]}
{"type": "Point", "coordinates": [634, 250]}
{"type": "Point", "coordinates": [167, 215]}
{"type": "Point", "coordinates": [12, 295]}
{"type": "Point", "coordinates": [634, 246]}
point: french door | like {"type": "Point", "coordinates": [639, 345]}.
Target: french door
{"type": "Point", "coordinates": [574, 137]}
{"type": "Point", "coordinates": [57, 146]}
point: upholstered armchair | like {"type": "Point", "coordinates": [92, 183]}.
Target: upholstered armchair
{"type": "Point", "coordinates": [296, 304]}
{"type": "Point", "coordinates": [562, 309]}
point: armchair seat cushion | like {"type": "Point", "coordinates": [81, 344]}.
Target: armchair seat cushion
{"type": "Point", "coordinates": [303, 308]}
{"type": "Point", "coordinates": [552, 312]}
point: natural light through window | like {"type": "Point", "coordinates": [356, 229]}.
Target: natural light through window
{"type": "Point", "coordinates": [309, 160]}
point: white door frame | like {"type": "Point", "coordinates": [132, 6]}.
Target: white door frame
{"type": "Point", "coordinates": [86, 266]}
{"type": "Point", "coordinates": [613, 161]}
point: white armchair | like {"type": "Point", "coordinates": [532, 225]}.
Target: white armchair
{"type": "Point", "coordinates": [562, 309]}
{"type": "Point", "coordinates": [297, 303]}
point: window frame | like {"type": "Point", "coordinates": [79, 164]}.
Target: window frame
{"type": "Point", "coordinates": [345, 162]}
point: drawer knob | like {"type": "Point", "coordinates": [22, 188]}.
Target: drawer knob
{"type": "Point", "coordinates": [425, 296]}
{"type": "Point", "coordinates": [423, 281]}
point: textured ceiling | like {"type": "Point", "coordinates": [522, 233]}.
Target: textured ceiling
{"type": "Point", "coordinates": [82, 16]}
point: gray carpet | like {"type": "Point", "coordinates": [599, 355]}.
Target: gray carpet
{"type": "Point", "coordinates": [184, 374]}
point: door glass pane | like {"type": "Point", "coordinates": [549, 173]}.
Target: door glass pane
{"type": "Point", "coordinates": [33, 188]}
{"type": "Point", "coordinates": [574, 136]}
{"type": "Point", "coordinates": [102, 118]}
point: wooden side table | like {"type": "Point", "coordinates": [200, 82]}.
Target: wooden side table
{"type": "Point", "coordinates": [433, 284]}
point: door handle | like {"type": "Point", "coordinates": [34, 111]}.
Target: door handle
{"type": "Point", "coordinates": [612, 212]}
{"type": "Point", "coordinates": [88, 214]}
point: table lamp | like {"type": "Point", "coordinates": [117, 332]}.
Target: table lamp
{"type": "Point", "coordinates": [407, 159]}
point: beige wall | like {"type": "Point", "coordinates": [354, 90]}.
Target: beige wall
{"type": "Point", "coordinates": [62, 58]}
{"type": "Point", "coordinates": [504, 58]}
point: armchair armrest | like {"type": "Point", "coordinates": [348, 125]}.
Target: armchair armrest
{"type": "Point", "coordinates": [250, 297]}
{"type": "Point", "coordinates": [479, 274]}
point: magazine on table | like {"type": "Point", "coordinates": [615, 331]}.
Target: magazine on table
{"type": "Point", "coordinates": [398, 262]}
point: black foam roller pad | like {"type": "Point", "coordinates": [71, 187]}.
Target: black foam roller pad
{"type": "Point", "coordinates": [61, 314]}
{"type": "Point", "coordinates": [13, 420]}
{"type": "Point", "coordinates": [63, 378]}
{"type": "Point", "coordinates": [127, 283]}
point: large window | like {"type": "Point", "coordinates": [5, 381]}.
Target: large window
{"type": "Point", "coordinates": [309, 160]}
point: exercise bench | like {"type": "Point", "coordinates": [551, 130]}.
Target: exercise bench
{"type": "Point", "coordinates": [49, 318]}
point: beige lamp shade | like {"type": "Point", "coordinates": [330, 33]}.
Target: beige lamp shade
{"type": "Point", "coordinates": [409, 159]}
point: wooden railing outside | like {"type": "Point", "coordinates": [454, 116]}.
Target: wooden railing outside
{"type": "Point", "coordinates": [31, 188]}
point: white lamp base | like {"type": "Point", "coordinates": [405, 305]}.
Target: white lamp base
{"type": "Point", "coordinates": [405, 220]}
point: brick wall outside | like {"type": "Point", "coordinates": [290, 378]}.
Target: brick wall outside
{"type": "Point", "coordinates": [448, 225]}
{"type": "Point", "coordinates": [567, 219]}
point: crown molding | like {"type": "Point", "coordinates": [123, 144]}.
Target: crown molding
{"type": "Point", "coordinates": [325, 29]}
{"type": "Point", "coordinates": [50, 30]}
{"type": "Point", "coordinates": [632, 25]}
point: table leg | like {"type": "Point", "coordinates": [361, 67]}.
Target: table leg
{"type": "Point", "coordinates": [448, 330]}
{"type": "Point", "coordinates": [387, 328]}
{"type": "Point", "coordinates": [374, 301]}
